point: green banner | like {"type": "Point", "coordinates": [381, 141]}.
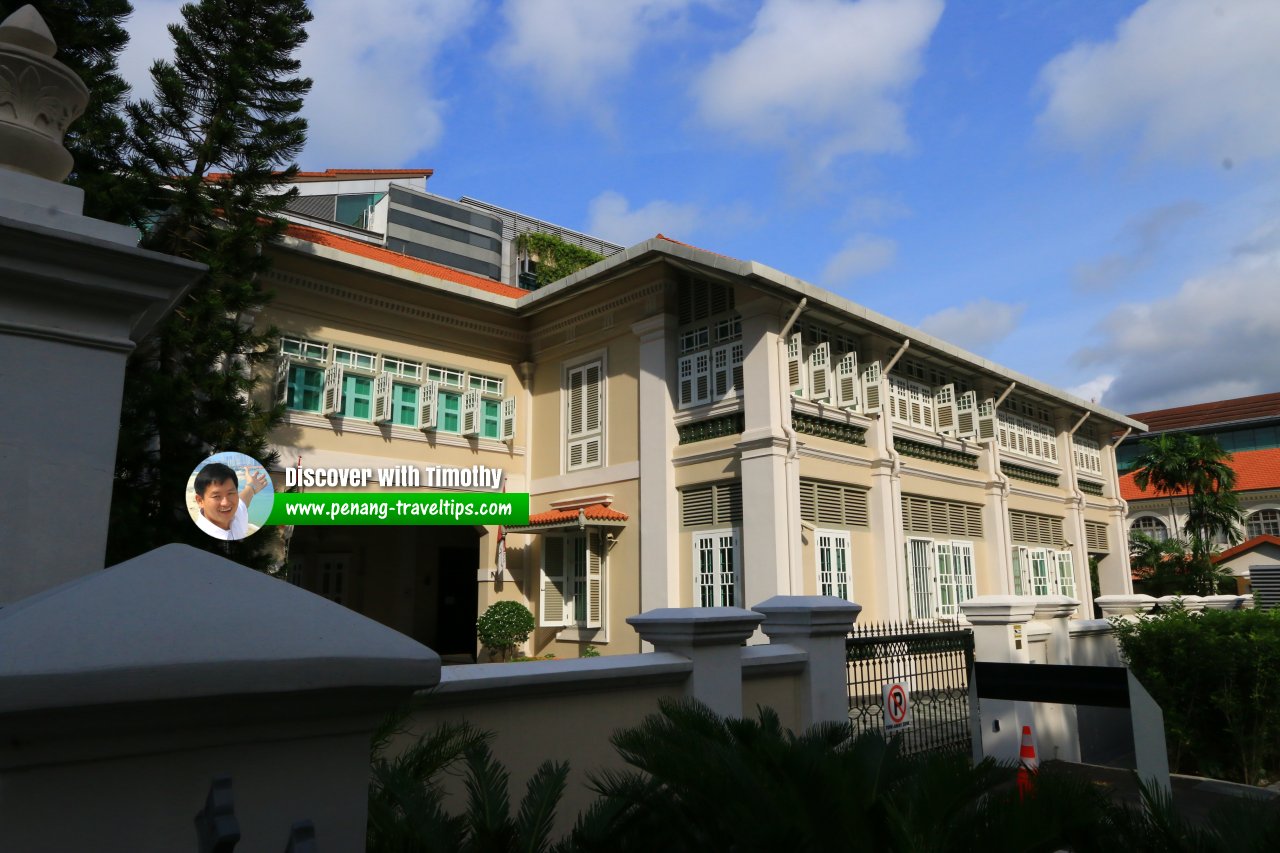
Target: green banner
{"type": "Point", "coordinates": [396, 508]}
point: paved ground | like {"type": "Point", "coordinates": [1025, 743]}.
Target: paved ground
{"type": "Point", "coordinates": [1195, 797]}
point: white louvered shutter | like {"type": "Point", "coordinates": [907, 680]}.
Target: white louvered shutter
{"type": "Point", "coordinates": [964, 571]}
{"type": "Point", "coordinates": [695, 379]}
{"type": "Point", "coordinates": [986, 420]}
{"type": "Point", "coordinates": [333, 379]}
{"type": "Point", "coordinates": [920, 583]}
{"type": "Point", "coordinates": [967, 415]}
{"type": "Point", "coordinates": [382, 399]}
{"type": "Point", "coordinates": [726, 366]}
{"type": "Point", "coordinates": [847, 381]}
{"type": "Point", "coordinates": [872, 388]}
{"type": "Point", "coordinates": [585, 416]}
{"type": "Point", "coordinates": [595, 579]}
{"type": "Point", "coordinates": [820, 373]}
{"type": "Point", "coordinates": [552, 610]}
{"type": "Point", "coordinates": [428, 407]}
{"type": "Point", "coordinates": [944, 404]}
{"type": "Point", "coordinates": [471, 412]}
{"type": "Point", "coordinates": [797, 376]}
{"type": "Point", "coordinates": [899, 400]}
{"type": "Point", "coordinates": [282, 382]}
{"type": "Point", "coordinates": [507, 431]}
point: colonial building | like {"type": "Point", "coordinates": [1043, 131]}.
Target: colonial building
{"type": "Point", "coordinates": [692, 429]}
{"type": "Point", "coordinates": [1249, 429]}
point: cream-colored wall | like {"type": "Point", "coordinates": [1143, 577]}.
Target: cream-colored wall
{"type": "Point", "coordinates": [782, 693]}
{"type": "Point", "coordinates": [530, 728]}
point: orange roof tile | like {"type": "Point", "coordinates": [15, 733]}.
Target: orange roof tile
{"type": "Point", "coordinates": [1205, 414]}
{"type": "Point", "coordinates": [662, 236]}
{"type": "Point", "coordinates": [1247, 545]}
{"type": "Point", "coordinates": [386, 256]}
{"type": "Point", "coordinates": [1255, 469]}
{"type": "Point", "coordinates": [595, 512]}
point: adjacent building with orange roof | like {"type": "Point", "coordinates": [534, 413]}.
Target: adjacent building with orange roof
{"type": "Point", "coordinates": [1248, 428]}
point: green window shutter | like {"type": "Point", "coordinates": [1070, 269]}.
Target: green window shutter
{"type": "Point", "coordinates": [551, 610]}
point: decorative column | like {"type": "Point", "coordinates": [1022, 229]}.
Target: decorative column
{"type": "Point", "coordinates": [659, 507]}
{"type": "Point", "coordinates": [818, 625]}
{"type": "Point", "coordinates": [885, 510]}
{"type": "Point", "coordinates": [76, 296]}
{"type": "Point", "coordinates": [995, 518]}
{"type": "Point", "coordinates": [711, 638]}
{"type": "Point", "coordinates": [770, 518]}
{"type": "Point", "coordinates": [998, 627]}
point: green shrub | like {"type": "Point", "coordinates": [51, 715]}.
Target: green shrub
{"type": "Point", "coordinates": [503, 626]}
{"type": "Point", "coordinates": [590, 651]}
{"type": "Point", "coordinates": [1216, 677]}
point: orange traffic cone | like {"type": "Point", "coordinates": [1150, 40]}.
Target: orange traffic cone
{"type": "Point", "coordinates": [1028, 764]}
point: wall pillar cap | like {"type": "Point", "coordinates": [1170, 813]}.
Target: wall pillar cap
{"type": "Point", "coordinates": [180, 623]}
{"type": "Point", "coordinates": [1221, 602]}
{"type": "Point", "coordinates": [1055, 606]}
{"type": "Point", "coordinates": [1125, 605]}
{"type": "Point", "coordinates": [998, 609]}
{"type": "Point", "coordinates": [1246, 601]}
{"type": "Point", "coordinates": [666, 627]}
{"type": "Point", "coordinates": [807, 615]}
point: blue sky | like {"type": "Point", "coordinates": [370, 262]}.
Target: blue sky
{"type": "Point", "coordinates": [1087, 192]}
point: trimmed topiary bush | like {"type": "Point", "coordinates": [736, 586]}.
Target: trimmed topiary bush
{"type": "Point", "coordinates": [503, 626]}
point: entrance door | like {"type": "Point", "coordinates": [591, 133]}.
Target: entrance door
{"type": "Point", "coordinates": [456, 605]}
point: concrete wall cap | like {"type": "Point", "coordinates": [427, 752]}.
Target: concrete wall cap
{"type": "Point", "coordinates": [1125, 605]}
{"type": "Point", "coordinates": [1221, 602]}
{"type": "Point", "coordinates": [998, 609]}
{"type": "Point", "coordinates": [1055, 606]}
{"type": "Point", "coordinates": [807, 615]}
{"type": "Point", "coordinates": [181, 623]}
{"type": "Point", "coordinates": [695, 626]}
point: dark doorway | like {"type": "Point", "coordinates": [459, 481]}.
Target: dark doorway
{"type": "Point", "coordinates": [457, 601]}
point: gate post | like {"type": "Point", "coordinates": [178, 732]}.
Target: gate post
{"type": "Point", "coordinates": [711, 638]}
{"type": "Point", "coordinates": [1057, 728]}
{"type": "Point", "coordinates": [818, 624]}
{"type": "Point", "coordinates": [998, 622]}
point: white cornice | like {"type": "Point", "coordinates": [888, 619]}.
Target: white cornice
{"type": "Point", "coordinates": [400, 433]}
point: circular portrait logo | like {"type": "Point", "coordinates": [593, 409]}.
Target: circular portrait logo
{"type": "Point", "coordinates": [229, 495]}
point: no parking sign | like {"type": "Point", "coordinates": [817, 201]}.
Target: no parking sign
{"type": "Point", "coordinates": [897, 707]}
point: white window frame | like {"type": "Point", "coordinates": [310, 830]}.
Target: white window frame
{"type": "Point", "coordinates": [834, 548]}
{"type": "Point", "coordinates": [581, 439]}
{"type": "Point", "coordinates": [581, 572]}
{"type": "Point", "coordinates": [940, 575]}
{"type": "Point", "coordinates": [711, 581]}
{"type": "Point", "coordinates": [1256, 519]}
{"type": "Point", "coordinates": [1151, 525]}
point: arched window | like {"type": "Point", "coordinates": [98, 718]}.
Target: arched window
{"type": "Point", "coordinates": [1264, 522]}
{"type": "Point", "coordinates": [1151, 526]}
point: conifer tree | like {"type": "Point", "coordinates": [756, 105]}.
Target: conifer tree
{"type": "Point", "coordinates": [216, 148]}
{"type": "Point", "coordinates": [90, 35]}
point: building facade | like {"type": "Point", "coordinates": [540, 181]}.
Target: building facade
{"type": "Point", "coordinates": [1249, 429]}
{"type": "Point", "coordinates": [693, 430]}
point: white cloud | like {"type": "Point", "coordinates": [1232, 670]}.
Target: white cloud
{"type": "Point", "coordinates": [570, 48]}
{"type": "Point", "coordinates": [1180, 77]}
{"type": "Point", "coordinates": [1093, 389]}
{"type": "Point", "coordinates": [609, 215]}
{"type": "Point", "coordinates": [1211, 340]}
{"type": "Point", "coordinates": [975, 325]}
{"type": "Point", "coordinates": [825, 77]}
{"type": "Point", "coordinates": [374, 100]}
{"type": "Point", "coordinates": [862, 255]}
{"type": "Point", "coordinates": [1142, 238]}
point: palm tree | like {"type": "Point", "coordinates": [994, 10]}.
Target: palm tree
{"type": "Point", "coordinates": [1163, 466]}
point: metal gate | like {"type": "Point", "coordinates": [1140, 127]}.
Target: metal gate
{"type": "Point", "coordinates": [935, 664]}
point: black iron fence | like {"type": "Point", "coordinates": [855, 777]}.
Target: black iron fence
{"type": "Point", "coordinates": [931, 665]}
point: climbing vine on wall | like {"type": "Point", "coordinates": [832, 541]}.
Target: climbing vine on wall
{"type": "Point", "coordinates": [556, 258]}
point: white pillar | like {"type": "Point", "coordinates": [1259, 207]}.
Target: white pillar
{"type": "Point", "coordinates": [659, 539]}
{"type": "Point", "coordinates": [1125, 606]}
{"type": "Point", "coordinates": [770, 521]}
{"type": "Point", "coordinates": [998, 622]}
{"type": "Point", "coordinates": [819, 625]}
{"type": "Point", "coordinates": [1056, 726]}
{"type": "Point", "coordinates": [711, 638]}
{"type": "Point", "coordinates": [76, 295]}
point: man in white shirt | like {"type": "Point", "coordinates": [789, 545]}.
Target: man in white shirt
{"type": "Point", "coordinates": [224, 510]}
